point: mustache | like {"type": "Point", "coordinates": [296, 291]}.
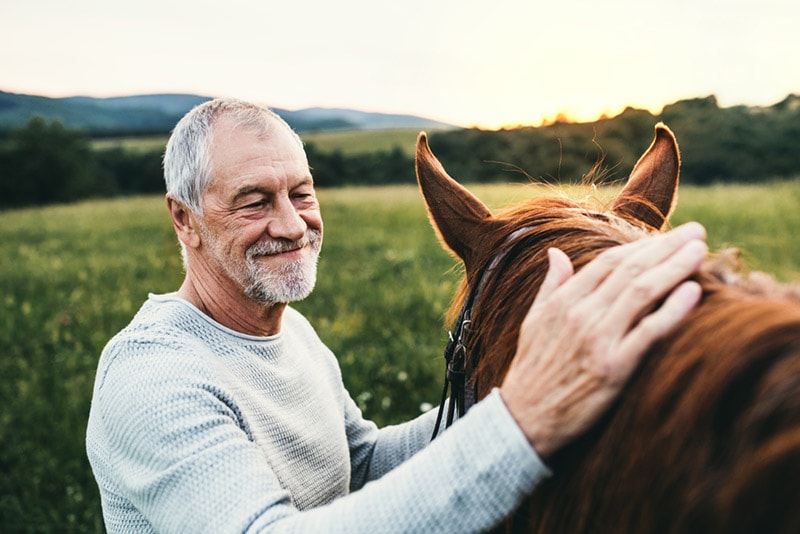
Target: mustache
{"type": "Point", "coordinates": [278, 246]}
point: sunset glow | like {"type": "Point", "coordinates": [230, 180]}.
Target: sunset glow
{"type": "Point", "coordinates": [465, 62]}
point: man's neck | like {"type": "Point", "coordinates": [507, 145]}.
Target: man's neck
{"type": "Point", "coordinates": [233, 309]}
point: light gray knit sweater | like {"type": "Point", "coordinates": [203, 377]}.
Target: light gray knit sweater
{"type": "Point", "coordinates": [197, 428]}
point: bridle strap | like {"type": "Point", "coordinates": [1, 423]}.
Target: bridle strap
{"type": "Point", "coordinates": [459, 364]}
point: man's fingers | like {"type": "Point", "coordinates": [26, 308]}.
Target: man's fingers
{"type": "Point", "coordinates": [637, 296]}
{"type": "Point", "coordinates": [662, 321]}
{"type": "Point", "coordinates": [655, 253]}
{"type": "Point", "coordinates": [623, 263]}
{"type": "Point", "coordinates": [559, 271]}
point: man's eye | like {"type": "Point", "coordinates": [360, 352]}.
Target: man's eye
{"type": "Point", "coordinates": [303, 195]}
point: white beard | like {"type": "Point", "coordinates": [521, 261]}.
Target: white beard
{"type": "Point", "coordinates": [267, 286]}
{"type": "Point", "coordinates": [289, 283]}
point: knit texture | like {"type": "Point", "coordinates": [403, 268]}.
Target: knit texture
{"type": "Point", "coordinates": [197, 428]}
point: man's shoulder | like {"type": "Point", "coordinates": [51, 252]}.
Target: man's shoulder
{"type": "Point", "coordinates": [157, 322]}
{"type": "Point", "coordinates": [297, 328]}
{"type": "Point", "coordinates": [292, 318]}
{"type": "Point", "coordinates": [159, 330]}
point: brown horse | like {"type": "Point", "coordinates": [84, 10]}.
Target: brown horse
{"type": "Point", "coordinates": [706, 435]}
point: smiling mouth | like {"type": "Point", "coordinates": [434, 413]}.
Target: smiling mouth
{"type": "Point", "coordinates": [285, 247]}
{"type": "Point", "coordinates": [290, 251]}
{"type": "Point", "coordinates": [277, 253]}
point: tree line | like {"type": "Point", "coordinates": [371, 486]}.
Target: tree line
{"type": "Point", "coordinates": [738, 144]}
{"type": "Point", "coordinates": [44, 162]}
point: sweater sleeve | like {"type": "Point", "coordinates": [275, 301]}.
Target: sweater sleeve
{"type": "Point", "coordinates": [467, 480]}
{"type": "Point", "coordinates": [374, 452]}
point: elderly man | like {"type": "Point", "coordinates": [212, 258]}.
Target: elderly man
{"type": "Point", "coordinates": [218, 409]}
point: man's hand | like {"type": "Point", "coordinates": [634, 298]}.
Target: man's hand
{"type": "Point", "coordinates": [585, 333]}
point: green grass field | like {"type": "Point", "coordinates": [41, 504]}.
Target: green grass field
{"type": "Point", "coordinates": [71, 276]}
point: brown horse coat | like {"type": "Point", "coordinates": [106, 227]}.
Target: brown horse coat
{"type": "Point", "coordinates": [706, 435]}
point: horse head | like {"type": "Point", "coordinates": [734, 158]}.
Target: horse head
{"type": "Point", "coordinates": [706, 435]}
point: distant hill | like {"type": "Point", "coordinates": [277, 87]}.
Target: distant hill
{"type": "Point", "coordinates": [158, 113]}
{"type": "Point", "coordinates": [311, 119]}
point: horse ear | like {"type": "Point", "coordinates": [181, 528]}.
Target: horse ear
{"type": "Point", "coordinates": [459, 217]}
{"type": "Point", "coordinates": [652, 189]}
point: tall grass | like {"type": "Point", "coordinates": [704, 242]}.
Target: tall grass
{"type": "Point", "coordinates": [71, 276]}
{"type": "Point", "coordinates": [762, 221]}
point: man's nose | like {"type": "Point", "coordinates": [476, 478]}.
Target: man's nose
{"type": "Point", "coordinates": [287, 222]}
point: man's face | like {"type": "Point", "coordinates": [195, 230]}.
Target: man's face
{"type": "Point", "coordinates": [261, 231]}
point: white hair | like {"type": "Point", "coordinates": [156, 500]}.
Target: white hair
{"type": "Point", "coordinates": [187, 159]}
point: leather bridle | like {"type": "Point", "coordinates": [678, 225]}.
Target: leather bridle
{"type": "Point", "coordinates": [458, 368]}
{"type": "Point", "coordinates": [459, 362]}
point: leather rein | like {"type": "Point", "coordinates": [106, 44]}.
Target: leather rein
{"type": "Point", "coordinates": [459, 362]}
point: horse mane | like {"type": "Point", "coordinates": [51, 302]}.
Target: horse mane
{"type": "Point", "coordinates": [705, 436]}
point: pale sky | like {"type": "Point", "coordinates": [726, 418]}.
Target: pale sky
{"type": "Point", "coordinates": [488, 63]}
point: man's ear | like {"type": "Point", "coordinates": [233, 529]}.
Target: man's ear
{"type": "Point", "coordinates": [184, 222]}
